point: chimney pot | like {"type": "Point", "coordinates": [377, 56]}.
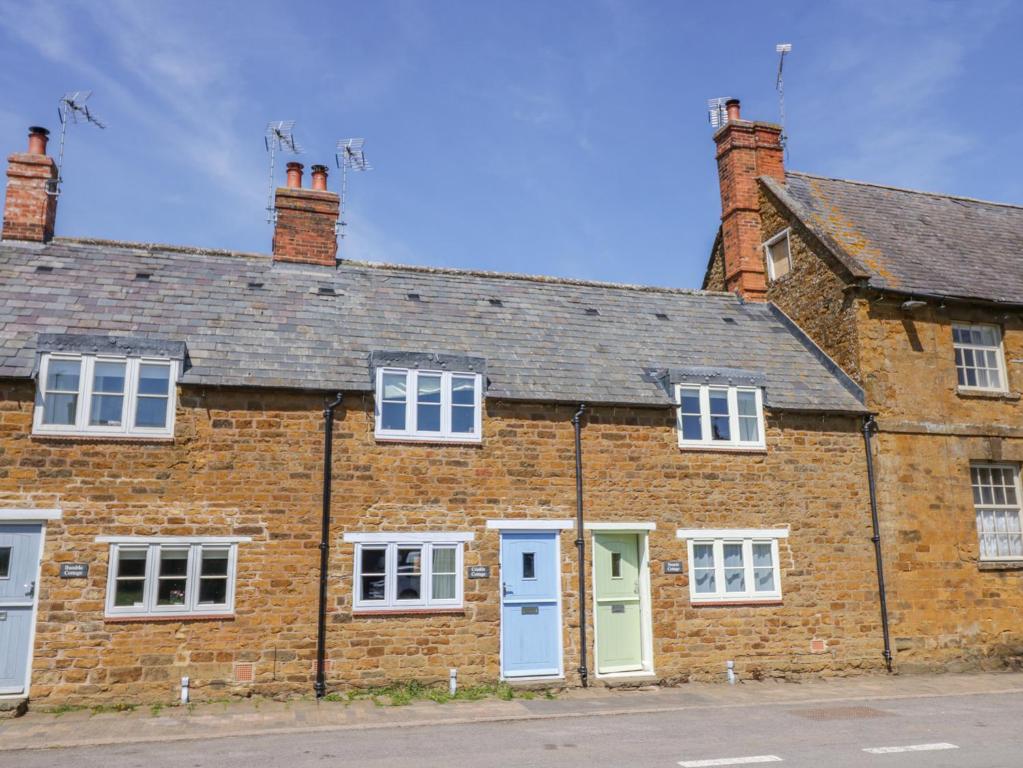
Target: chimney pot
{"type": "Point", "coordinates": [320, 178]}
{"type": "Point", "coordinates": [37, 138]}
{"type": "Point", "coordinates": [732, 105]}
{"type": "Point", "coordinates": [295, 175]}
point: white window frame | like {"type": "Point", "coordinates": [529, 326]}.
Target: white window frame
{"type": "Point", "coordinates": [1000, 357]}
{"type": "Point", "coordinates": [127, 427]}
{"type": "Point", "coordinates": [391, 542]}
{"type": "Point", "coordinates": [1018, 507]}
{"type": "Point", "coordinates": [153, 546]}
{"type": "Point", "coordinates": [747, 538]}
{"type": "Point", "coordinates": [411, 432]}
{"type": "Point", "coordinates": [784, 234]}
{"type": "Point", "coordinates": [706, 441]}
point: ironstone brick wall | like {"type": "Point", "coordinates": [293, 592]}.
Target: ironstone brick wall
{"type": "Point", "coordinates": [248, 462]}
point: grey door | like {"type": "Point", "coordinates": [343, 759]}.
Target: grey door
{"type": "Point", "coordinates": [19, 566]}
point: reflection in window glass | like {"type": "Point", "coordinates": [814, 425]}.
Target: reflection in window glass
{"type": "Point", "coordinates": [428, 403]}
{"type": "Point", "coordinates": [107, 404]}
{"type": "Point", "coordinates": [153, 395]}
{"type": "Point", "coordinates": [719, 418]}
{"type": "Point", "coordinates": [61, 396]}
{"type": "Point", "coordinates": [409, 573]}
{"type": "Point", "coordinates": [692, 426]}
{"type": "Point", "coordinates": [393, 398]}
{"type": "Point", "coordinates": [374, 573]}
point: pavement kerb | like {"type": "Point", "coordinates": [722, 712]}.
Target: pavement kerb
{"type": "Point", "coordinates": [510, 717]}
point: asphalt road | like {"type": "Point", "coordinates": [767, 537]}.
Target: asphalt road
{"type": "Point", "coordinates": [977, 731]}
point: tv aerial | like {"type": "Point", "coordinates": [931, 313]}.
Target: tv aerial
{"type": "Point", "coordinates": [71, 109]}
{"type": "Point", "coordinates": [717, 113]}
{"type": "Point", "coordinates": [779, 84]}
{"type": "Point", "coordinates": [279, 137]}
{"type": "Point", "coordinates": [349, 157]}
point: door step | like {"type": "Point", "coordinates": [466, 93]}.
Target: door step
{"type": "Point", "coordinates": [646, 682]}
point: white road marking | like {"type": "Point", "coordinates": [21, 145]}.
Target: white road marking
{"type": "Point", "coordinates": [910, 748]}
{"type": "Point", "coordinates": [730, 761]}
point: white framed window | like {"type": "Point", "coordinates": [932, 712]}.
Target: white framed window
{"type": "Point", "coordinates": [980, 362]}
{"type": "Point", "coordinates": [429, 405]}
{"type": "Point", "coordinates": [105, 395]}
{"type": "Point", "coordinates": [996, 501]}
{"type": "Point", "coordinates": [778, 255]}
{"type": "Point", "coordinates": [171, 576]}
{"type": "Point", "coordinates": [407, 571]}
{"type": "Point", "coordinates": [733, 565]}
{"type": "Point", "coordinates": [712, 416]}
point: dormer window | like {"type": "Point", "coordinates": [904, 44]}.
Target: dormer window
{"type": "Point", "coordinates": [436, 406]}
{"type": "Point", "coordinates": [105, 395]}
{"type": "Point", "coordinates": [778, 255]}
{"type": "Point", "coordinates": [727, 417]}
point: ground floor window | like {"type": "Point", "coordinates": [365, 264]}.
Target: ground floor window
{"type": "Point", "coordinates": [996, 501]}
{"type": "Point", "coordinates": [410, 571]}
{"type": "Point", "coordinates": [154, 577]}
{"type": "Point", "coordinates": [734, 565]}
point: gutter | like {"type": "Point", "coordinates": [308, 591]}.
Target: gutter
{"type": "Point", "coordinates": [869, 427]}
{"type": "Point", "coordinates": [580, 542]}
{"type": "Point", "coordinates": [320, 686]}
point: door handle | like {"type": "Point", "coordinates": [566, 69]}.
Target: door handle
{"type": "Point", "coordinates": [504, 590]}
{"type": "Point", "coordinates": [30, 589]}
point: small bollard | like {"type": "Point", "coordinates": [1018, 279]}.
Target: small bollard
{"type": "Point", "coordinates": [730, 671]}
{"type": "Point", "coordinates": [184, 690]}
{"type": "Point", "coordinates": [452, 681]}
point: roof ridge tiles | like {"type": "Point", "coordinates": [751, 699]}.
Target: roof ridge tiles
{"type": "Point", "coordinates": [927, 193]}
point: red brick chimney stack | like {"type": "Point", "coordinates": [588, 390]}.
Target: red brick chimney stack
{"type": "Point", "coordinates": [306, 219]}
{"type": "Point", "coordinates": [30, 208]}
{"type": "Point", "coordinates": [745, 151]}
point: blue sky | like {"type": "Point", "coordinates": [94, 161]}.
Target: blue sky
{"type": "Point", "coordinates": [554, 137]}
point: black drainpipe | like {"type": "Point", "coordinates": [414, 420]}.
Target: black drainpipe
{"type": "Point", "coordinates": [870, 426]}
{"type": "Point", "coordinates": [580, 542]}
{"type": "Point", "coordinates": [321, 625]}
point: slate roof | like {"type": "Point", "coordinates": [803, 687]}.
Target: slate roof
{"type": "Point", "coordinates": [248, 321]}
{"type": "Point", "coordinates": [913, 242]}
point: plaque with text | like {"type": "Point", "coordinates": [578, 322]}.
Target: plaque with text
{"type": "Point", "coordinates": [673, 566]}
{"type": "Point", "coordinates": [74, 570]}
{"type": "Point", "coordinates": [479, 571]}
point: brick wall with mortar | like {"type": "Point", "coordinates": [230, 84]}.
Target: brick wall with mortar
{"type": "Point", "coordinates": [947, 610]}
{"type": "Point", "coordinates": [248, 462]}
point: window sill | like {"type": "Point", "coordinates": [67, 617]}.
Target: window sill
{"type": "Point", "coordinates": [982, 394]}
{"type": "Point", "coordinates": [468, 442]}
{"type": "Point", "coordinates": [166, 618]}
{"type": "Point", "coordinates": [693, 448]}
{"type": "Point", "coordinates": [372, 612]}
{"type": "Point", "coordinates": [1000, 565]}
{"type": "Point", "coordinates": [748, 601]}
{"type": "Point", "coordinates": [86, 437]}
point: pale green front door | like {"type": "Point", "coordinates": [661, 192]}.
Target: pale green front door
{"type": "Point", "coordinates": [619, 615]}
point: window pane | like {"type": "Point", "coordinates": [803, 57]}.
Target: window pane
{"type": "Point", "coordinates": [428, 418]}
{"type": "Point", "coordinates": [747, 403]}
{"type": "Point", "coordinates": [692, 429]}
{"type": "Point", "coordinates": [764, 579]}
{"type": "Point", "coordinates": [131, 563]}
{"type": "Point", "coordinates": [129, 592]}
{"type": "Point", "coordinates": [5, 562]}
{"type": "Point", "coordinates": [443, 559]}
{"type": "Point", "coordinates": [173, 562]}
{"type": "Point", "coordinates": [409, 559]}
{"type": "Point", "coordinates": [463, 390]}
{"type": "Point", "coordinates": [394, 386]}
{"type": "Point", "coordinates": [529, 565]}
{"type": "Point", "coordinates": [616, 565]}
{"type": "Point", "coordinates": [214, 562]}
{"type": "Point", "coordinates": [106, 410]}
{"type": "Point", "coordinates": [463, 419]}
{"type": "Point", "coordinates": [690, 401]}
{"type": "Point", "coordinates": [172, 582]}
{"type": "Point", "coordinates": [429, 389]}
{"type": "Point", "coordinates": [213, 591]}
{"type": "Point", "coordinates": [705, 582]}
{"type": "Point", "coordinates": [60, 409]}
{"type": "Point", "coordinates": [703, 555]}
{"type": "Point", "coordinates": [154, 379]}
{"type": "Point", "coordinates": [151, 412]}
{"type": "Point", "coordinates": [392, 416]}
{"type": "Point", "coordinates": [408, 587]}
{"type": "Point", "coordinates": [444, 586]}
{"type": "Point", "coordinates": [720, 428]}
{"type": "Point", "coordinates": [763, 556]}
{"type": "Point", "coordinates": [735, 574]}
{"type": "Point", "coordinates": [63, 375]}
{"type": "Point", "coordinates": [374, 560]}
{"type": "Point", "coordinates": [763, 567]}
{"type": "Point", "coordinates": [749, 430]}
{"type": "Point", "coordinates": [108, 377]}
{"type": "Point", "coordinates": [372, 587]}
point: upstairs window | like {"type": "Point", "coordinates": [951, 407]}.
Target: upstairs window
{"type": "Point", "coordinates": [720, 417]}
{"type": "Point", "coordinates": [778, 255]}
{"type": "Point", "coordinates": [428, 405]}
{"type": "Point", "coordinates": [105, 395]}
{"type": "Point", "coordinates": [996, 501]}
{"type": "Point", "coordinates": [980, 364]}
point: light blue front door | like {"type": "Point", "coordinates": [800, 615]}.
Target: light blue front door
{"type": "Point", "coordinates": [19, 565]}
{"type": "Point", "coordinates": [530, 614]}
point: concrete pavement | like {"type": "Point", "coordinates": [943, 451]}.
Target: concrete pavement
{"type": "Point", "coordinates": [954, 720]}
